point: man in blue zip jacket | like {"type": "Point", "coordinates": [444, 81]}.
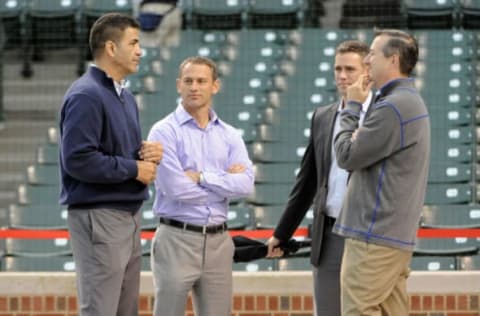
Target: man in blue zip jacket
{"type": "Point", "coordinates": [105, 169]}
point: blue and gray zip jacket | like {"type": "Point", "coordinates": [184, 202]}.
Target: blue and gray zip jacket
{"type": "Point", "coordinates": [389, 161]}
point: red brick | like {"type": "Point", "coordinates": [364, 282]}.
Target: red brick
{"type": "Point", "coordinates": [7, 314]}
{"type": "Point", "coordinates": [439, 303]}
{"type": "Point", "coordinates": [61, 303]}
{"type": "Point", "coordinates": [26, 304]}
{"type": "Point", "coordinates": [143, 304]}
{"type": "Point", "coordinates": [296, 303]}
{"type": "Point", "coordinates": [13, 303]}
{"type": "Point", "coordinates": [415, 303]}
{"type": "Point", "coordinates": [273, 303]}
{"type": "Point", "coordinates": [284, 303]}
{"type": "Point", "coordinates": [451, 305]}
{"type": "Point", "coordinates": [249, 303]}
{"type": "Point", "coordinates": [300, 314]}
{"type": "Point", "coordinates": [462, 302]}
{"type": "Point", "coordinates": [254, 314]}
{"type": "Point", "coordinates": [280, 314]}
{"type": "Point", "coordinates": [261, 303]}
{"type": "Point", "coordinates": [49, 303]}
{"type": "Point", "coordinates": [237, 303]}
{"type": "Point", "coordinates": [37, 303]}
{"type": "Point", "coordinates": [145, 314]}
{"type": "Point", "coordinates": [72, 303]}
{"type": "Point", "coordinates": [308, 303]}
{"type": "Point", "coordinates": [417, 314]}
{"type": "Point", "coordinates": [3, 304]}
{"type": "Point", "coordinates": [473, 302]}
{"type": "Point", "coordinates": [463, 314]}
{"type": "Point", "coordinates": [427, 303]}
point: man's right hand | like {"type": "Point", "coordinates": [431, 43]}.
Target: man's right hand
{"type": "Point", "coordinates": [273, 250]}
{"type": "Point", "coordinates": [146, 171]}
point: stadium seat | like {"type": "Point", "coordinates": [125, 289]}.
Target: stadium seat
{"type": "Point", "coordinates": [277, 152]}
{"type": "Point", "coordinates": [448, 194]}
{"type": "Point", "coordinates": [430, 14]}
{"type": "Point", "coordinates": [432, 263]}
{"type": "Point", "coordinates": [469, 263]}
{"type": "Point", "coordinates": [267, 217]}
{"type": "Point", "coordinates": [239, 217]}
{"type": "Point", "coordinates": [12, 15]}
{"type": "Point", "coordinates": [276, 14]}
{"type": "Point", "coordinates": [368, 13]}
{"type": "Point", "coordinates": [295, 264]}
{"type": "Point", "coordinates": [256, 266]}
{"type": "Point", "coordinates": [445, 247]}
{"type": "Point", "coordinates": [470, 12]}
{"type": "Point", "coordinates": [441, 172]}
{"type": "Point", "coordinates": [46, 264]}
{"type": "Point", "coordinates": [43, 174]}
{"type": "Point", "coordinates": [217, 14]}
{"type": "Point", "coordinates": [37, 216]}
{"type": "Point", "coordinates": [276, 172]}
{"type": "Point", "coordinates": [450, 216]}
{"type": "Point", "coordinates": [47, 154]}
{"type": "Point", "coordinates": [37, 247]}
{"type": "Point", "coordinates": [270, 194]}
{"type": "Point", "coordinates": [451, 153]}
{"type": "Point", "coordinates": [38, 195]}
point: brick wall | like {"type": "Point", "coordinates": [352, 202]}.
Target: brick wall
{"type": "Point", "coordinates": [244, 305]}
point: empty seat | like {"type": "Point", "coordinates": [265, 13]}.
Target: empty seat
{"type": "Point", "coordinates": [47, 154]}
{"type": "Point", "coordinates": [430, 14]}
{"type": "Point", "coordinates": [368, 13]}
{"type": "Point", "coordinates": [274, 14]}
{"type": "Point", "coordinates": [450, 216]}
{"type": "Point", "coordinates": [37, 247]}
{"type": "Point", "coordinates": [277, 152]}
{"type": "Point", "coordinates": [267, 217]}
{"type": "Point", "coordinates": [470, 263]}
{"type": "Point", "coordinates": [12, 15]}
{"type": "Point", "coordinates": [441, 172]}
{"type": "Point", "coordinates": [294, 264]}
{"type": "Point", "coordinates": [39, 195]}
{"type": "Point", "coordinates": [448, 193]}
{"type": "Point", "coordinates": [239, 217]}
{"type": "Point", "coordinates": [42, 174]}
{"type": "Point", "coordinates": [445, 247]}
{"type": "Point", "coordinates": [433, 263]}
{"type": "Point", "coordinates": [30, 264]}
{"type": "Point", "coordinates": [470, 11]}
{"type": "Point", "coordinates": [217, 14]}
{"type": "Point", "coordinates": [256, 266]}
{"type": "Point", "coordinates": [276, 172]}
{"type": "Point", "coordinates": [38, 216]}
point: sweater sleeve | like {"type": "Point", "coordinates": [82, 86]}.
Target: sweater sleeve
{"type": "Point", "coordinates": [379, 136]}
{"type": "Point", "coordinates": [81, 153]}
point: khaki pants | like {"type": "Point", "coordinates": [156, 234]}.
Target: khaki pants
{"type": "Point", "coordinates": [373, 280]}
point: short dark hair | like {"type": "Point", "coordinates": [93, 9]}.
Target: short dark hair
{"type": "Point", "coordinates": [197, 60]}
{"type": "Point", "coordinates": [353, 46]}
{"type": "Point", "coordinates": [109, 27]}
{"type": "Point", "coordinates": [403, 44]}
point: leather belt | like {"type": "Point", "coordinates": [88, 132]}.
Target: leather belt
{"type": "Point", "coordinates": [204, 229]}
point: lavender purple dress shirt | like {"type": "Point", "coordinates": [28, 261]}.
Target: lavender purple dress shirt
{"type": "Point", "coordinates": [212, 151]}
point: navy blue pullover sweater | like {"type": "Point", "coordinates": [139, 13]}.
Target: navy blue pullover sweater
{"type": "Point", "coordinates": [99, 142]}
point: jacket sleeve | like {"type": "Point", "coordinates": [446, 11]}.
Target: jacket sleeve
{"type": "Point", "coordinates": [81, 154]}
{"type": "Point", "coordinates": [171, 180]}
{"type": "Point", "coordinates": [380, 136]}
{"type": "Point", "coordinates": [232, 185]}
{"type": "Point", "coordinates": [302, 194]}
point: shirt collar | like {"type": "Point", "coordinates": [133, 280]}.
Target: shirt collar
{"type": "Point", "coordinates": [365, 104]}
{"type": "Point", "coordinates": [183, 116]}
{"type": "Point", "coordinates": [119, 86]}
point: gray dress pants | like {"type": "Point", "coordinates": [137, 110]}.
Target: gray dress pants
{"type": "Point", "coordinates": [107, 253]}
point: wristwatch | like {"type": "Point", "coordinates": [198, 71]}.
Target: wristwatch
{"type": "Point", "coordinates": [201, 178]}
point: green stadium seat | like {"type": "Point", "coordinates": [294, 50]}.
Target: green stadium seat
{"type": "Point", "coordinates": [37, 247]}
{"type": "Point", "coordinates": [12, 15]}
{"type": "Point", "coordinates": [217, 14]}
{"type": "Point", "coordinates": [43, 174]}
{"type": "Point", "coordinates": [269, 194]}
{"type": "Point", "coordinates": [368, 14]}
{"type": "Point", "coordinates": [445, 247]}
{"type": "Point", "coordinates": [38, 264]}
{"type": "Point", "coordinates": [276, 172]}
{"type": "Point", "coordinates": [430, 14]}
{"type": "Point", "coordinates": [433, 263]}
{"type": "Point", "coordinates": [470, 11]}
{"type": "Point", "coordinates": [37, 195]}
{"type": "Point", "coordinates": [37, 216]}
{"type": "Point", "coordinates": [47, 154]}
{"type": "Point", "coordinates": [451, 152]}
{"type": "Point", "coordinates": [441, 172]}
{"type": "Point", "coordinates": [276, 14]}
{"type": "Point", "coordinates": [239, 217]}
{"type": "Point", "coordinates": [277, 152]}
{"type": "Point", "coordinates": [294, 264]}
{"type": "Point", "coordinates": [469, 263]}
{"type": "Point", "coordinates": [450, 216]}
{"type": "Point", "coordinates": [453, 135]}
{"type": "Point", "coordinates": [256, 266]}
{"type": "Point", "coordinates": [449, 194]}
{"type": "Point", "coordinates": [268, 216]}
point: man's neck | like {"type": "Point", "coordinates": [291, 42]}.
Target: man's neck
{"type": "Point", "coordinates": [200, 115]}
{"type": "Point", "coordinates": [109, 69]}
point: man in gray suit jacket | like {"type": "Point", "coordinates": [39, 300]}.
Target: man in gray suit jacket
{"type": "Point", "coordinates": [322, 182]}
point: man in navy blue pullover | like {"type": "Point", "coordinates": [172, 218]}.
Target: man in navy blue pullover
{"type": "Point", "coordinates": [105, 169]}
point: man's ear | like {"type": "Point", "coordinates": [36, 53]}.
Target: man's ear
{"type": "Point", "coordinates": [110, 48]}
{"type": "Point", "coordinates": [216, 86]}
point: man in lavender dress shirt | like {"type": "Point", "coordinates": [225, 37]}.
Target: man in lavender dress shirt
{"type": "Point", "coordinates": [205, 164]}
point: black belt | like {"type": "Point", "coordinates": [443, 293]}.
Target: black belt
{"type": "Point", "coordinates": [210, 229]}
